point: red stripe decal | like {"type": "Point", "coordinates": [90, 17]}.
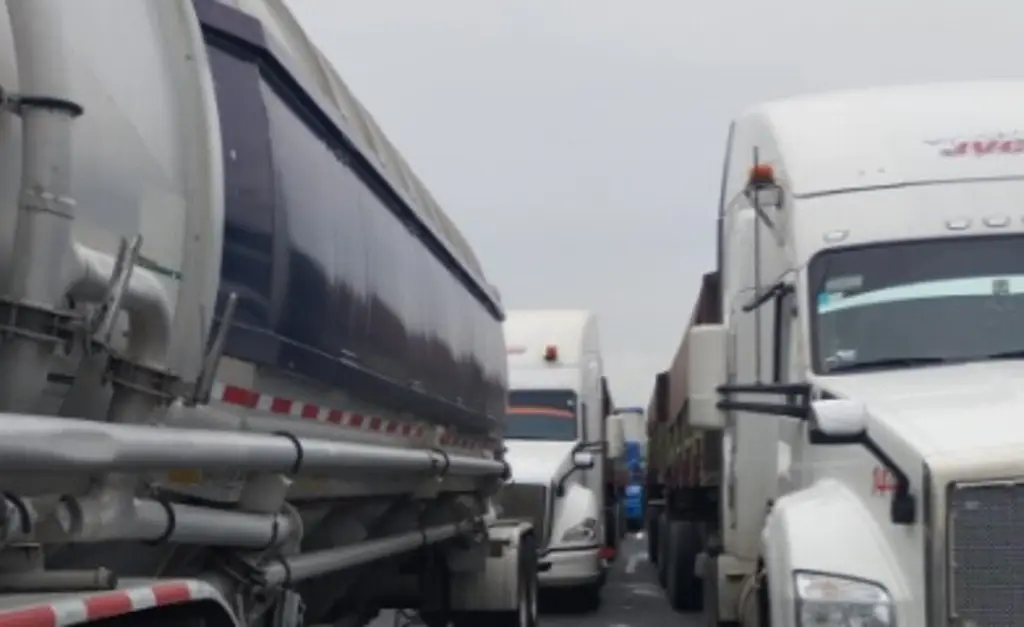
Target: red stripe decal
{"type": "Point", "coordinates": [167, 593]}
{"type": "Point", "coordinates": [241, 396]}
{"type": "Point", "coordinates": [280, 405]}
{"type": "Point", "coordinates": [39, 616]}
{"type": "Point", "coordinates": [107, 605]}
{"type": "Point", "coordinates": [244, 397]}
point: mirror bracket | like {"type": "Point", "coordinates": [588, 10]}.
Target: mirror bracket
{"type": "Point", "coordinates": [902, 511]}
{"type": "Point", "coordinates": [599, 447]}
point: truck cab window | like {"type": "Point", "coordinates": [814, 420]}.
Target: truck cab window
{"type": "Point", "coordinates": [542, 415]}
{"type": "Point", "coordinates": [917, 303]}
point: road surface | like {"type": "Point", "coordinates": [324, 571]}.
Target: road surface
{"type": "Point", "coordinates": [632, 598]}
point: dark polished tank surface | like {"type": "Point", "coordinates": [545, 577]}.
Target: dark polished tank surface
{"type": "Point", "coordinates": [339, 281]}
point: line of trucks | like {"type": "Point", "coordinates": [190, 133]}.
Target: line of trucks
{"type": "Point", "coordinates": [252, 375]}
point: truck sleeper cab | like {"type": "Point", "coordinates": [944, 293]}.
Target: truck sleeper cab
{"type": "Point", "coordinates": [554, 434]}
{"type": "Point", "coordinates": [867, 372]}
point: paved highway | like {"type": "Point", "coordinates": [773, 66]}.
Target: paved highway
{"type": "Point", "coordinates": [632, 598]}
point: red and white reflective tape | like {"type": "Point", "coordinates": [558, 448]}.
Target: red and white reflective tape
{"type": "Point", "coordinates": [86, 608]}
{"type": "Point", "coordinates": [251, 399]}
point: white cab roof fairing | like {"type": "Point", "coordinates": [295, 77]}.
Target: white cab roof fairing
{"type": "Point", "coordinates": [907, 213]}
{"type": "Point", "coordinates": [529, 332]}
{"type": "Point", "coordinates": [306, 58]}
{"type": "Point", "coordinates": [888, 136]}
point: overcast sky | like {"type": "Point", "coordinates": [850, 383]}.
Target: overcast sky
{"type": "Point", "coordinates": [578, 144]}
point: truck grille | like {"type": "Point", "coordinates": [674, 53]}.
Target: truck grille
{"type": "Point", "coordinates": [525, 501]}
{"type": "Point", "coordinates": [986, 550]}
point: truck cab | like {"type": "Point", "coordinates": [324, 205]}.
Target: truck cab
{"type": "Point", "coordinates": [555, 445]}
{"type": "Point", "coordinates": [867, 371]}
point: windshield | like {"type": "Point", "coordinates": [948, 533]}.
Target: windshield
{"type": "Point", "coordinates": [917, 303]}
{"type": "Point", "coordinates": [541, 415]}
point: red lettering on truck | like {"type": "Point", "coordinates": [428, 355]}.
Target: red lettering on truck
{"type": "Point", "coordinates": [882, 481]}
{"type": "Point", "coordinates": [981, 147]}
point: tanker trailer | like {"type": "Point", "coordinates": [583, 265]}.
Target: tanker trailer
{"type": "Point", "coordinates": [250, 373]}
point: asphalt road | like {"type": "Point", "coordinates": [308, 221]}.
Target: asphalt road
{"type": "Point", "coordinates": [631, 598]}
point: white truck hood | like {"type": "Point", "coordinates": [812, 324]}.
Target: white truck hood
{"type": "Point", "coordinates": [944, 409]}
{"type": "Point", "coordinates": [537, 461]}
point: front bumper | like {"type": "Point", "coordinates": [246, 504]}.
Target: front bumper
{"type": "Point", "coordinates": [578, 566]}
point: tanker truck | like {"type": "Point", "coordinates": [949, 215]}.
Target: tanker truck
{"type": "Point", "coordinates": [250, 373]}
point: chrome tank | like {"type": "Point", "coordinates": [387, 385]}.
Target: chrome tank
{"type": "Point", "coordinates": [218, 132]}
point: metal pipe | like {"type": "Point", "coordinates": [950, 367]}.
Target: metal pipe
{"type": "Point", "coordinates": [58, 581]}
{"type": "Point", "coordinates": [46, 444]}
{"type": "Point", "coordinates": [45, 206]}
{"type": "Point", "coordinates": [149, 310]}
{"type": "Point", "coordinates": [310, 565]}
{"type": "Point", "coordinates": [100, 518]}
{"type": "Point", "coordinates": [17, 519]}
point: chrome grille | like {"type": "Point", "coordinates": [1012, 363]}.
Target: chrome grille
{"type": "Point", "coordinates": [986, 551]}
{"type": "Point", "coordinates": [525, 501]}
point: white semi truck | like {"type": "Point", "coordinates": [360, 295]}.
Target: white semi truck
{"type": "Point", "coordinates": [250, 374]}
{"type": "Point", "coordinates": [867, 369]}
{"type": "Point", "coordinates": [556, 447]}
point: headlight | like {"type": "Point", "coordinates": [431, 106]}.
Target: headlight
{"type": "Point", "coordinates": [586, 531]}
{"type": "Point", "coordinates": [832, 601]}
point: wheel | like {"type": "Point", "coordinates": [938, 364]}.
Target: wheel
{"type": "Point", "coordinates": [664, 548]}
{"type": "Point", "coordinates": [525, 612]}
{"type": "Point", "coordinates": [435, 619]}
{"type": "Point", "coordinates": [586, 599]}
{"type": "Point", "coordinates": [684, 588]}
{"type": "Point", "coordinates": [651, 524]}
{"type": "Point", "coordinates": [611, 527]}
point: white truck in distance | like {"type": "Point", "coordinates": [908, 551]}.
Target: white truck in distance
{"type": "Point", "coordinates": [250, 372]}
{"type": "Point", "coordinates": [868, 371]}
{"type": "Point", "coordinates": [555, 445]}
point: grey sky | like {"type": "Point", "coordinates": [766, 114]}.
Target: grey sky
{"type": "Point", "coordinates": [578, 143]}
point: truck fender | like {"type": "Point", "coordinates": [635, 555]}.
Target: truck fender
{"type": "Point", "coordinates": [824, 528]}
{"type": "Point", "coordinates": [497, 587]}
{"type": "Point", "coordinates": [578, 503]}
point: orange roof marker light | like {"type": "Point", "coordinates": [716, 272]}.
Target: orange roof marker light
{"type": "Point", "coordinates": [550, 353]}
{"type": "Point", "coordinates": [762, 174]}
{"type": "Point", "coordinates": [763, 190]}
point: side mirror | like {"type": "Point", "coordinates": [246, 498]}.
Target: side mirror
{"type": "Point", "coordinates": [584, 460]}
{"type": "Point", "coordinates": [706, 370]}
{"type": "Point", "coordinates": [839, 417]}
{"type": "Point", "coordinates": [616, 437]}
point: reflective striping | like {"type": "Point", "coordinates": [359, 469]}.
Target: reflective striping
{"type": "Point", "coordinates": [86, 608]}
{"type": "Point", "coordinates": [251, 399]}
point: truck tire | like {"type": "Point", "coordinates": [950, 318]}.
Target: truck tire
{"type": "Point", "coordinates": [525, 612]}
{"type": "Point", "coordinates": [683, 587]}
{"type": "Point", "coordinates": [664, 548]}
{"type": "Point", "coordinates": [586, 599]}
{"type": "Point", "coordinates": [651, 522]}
